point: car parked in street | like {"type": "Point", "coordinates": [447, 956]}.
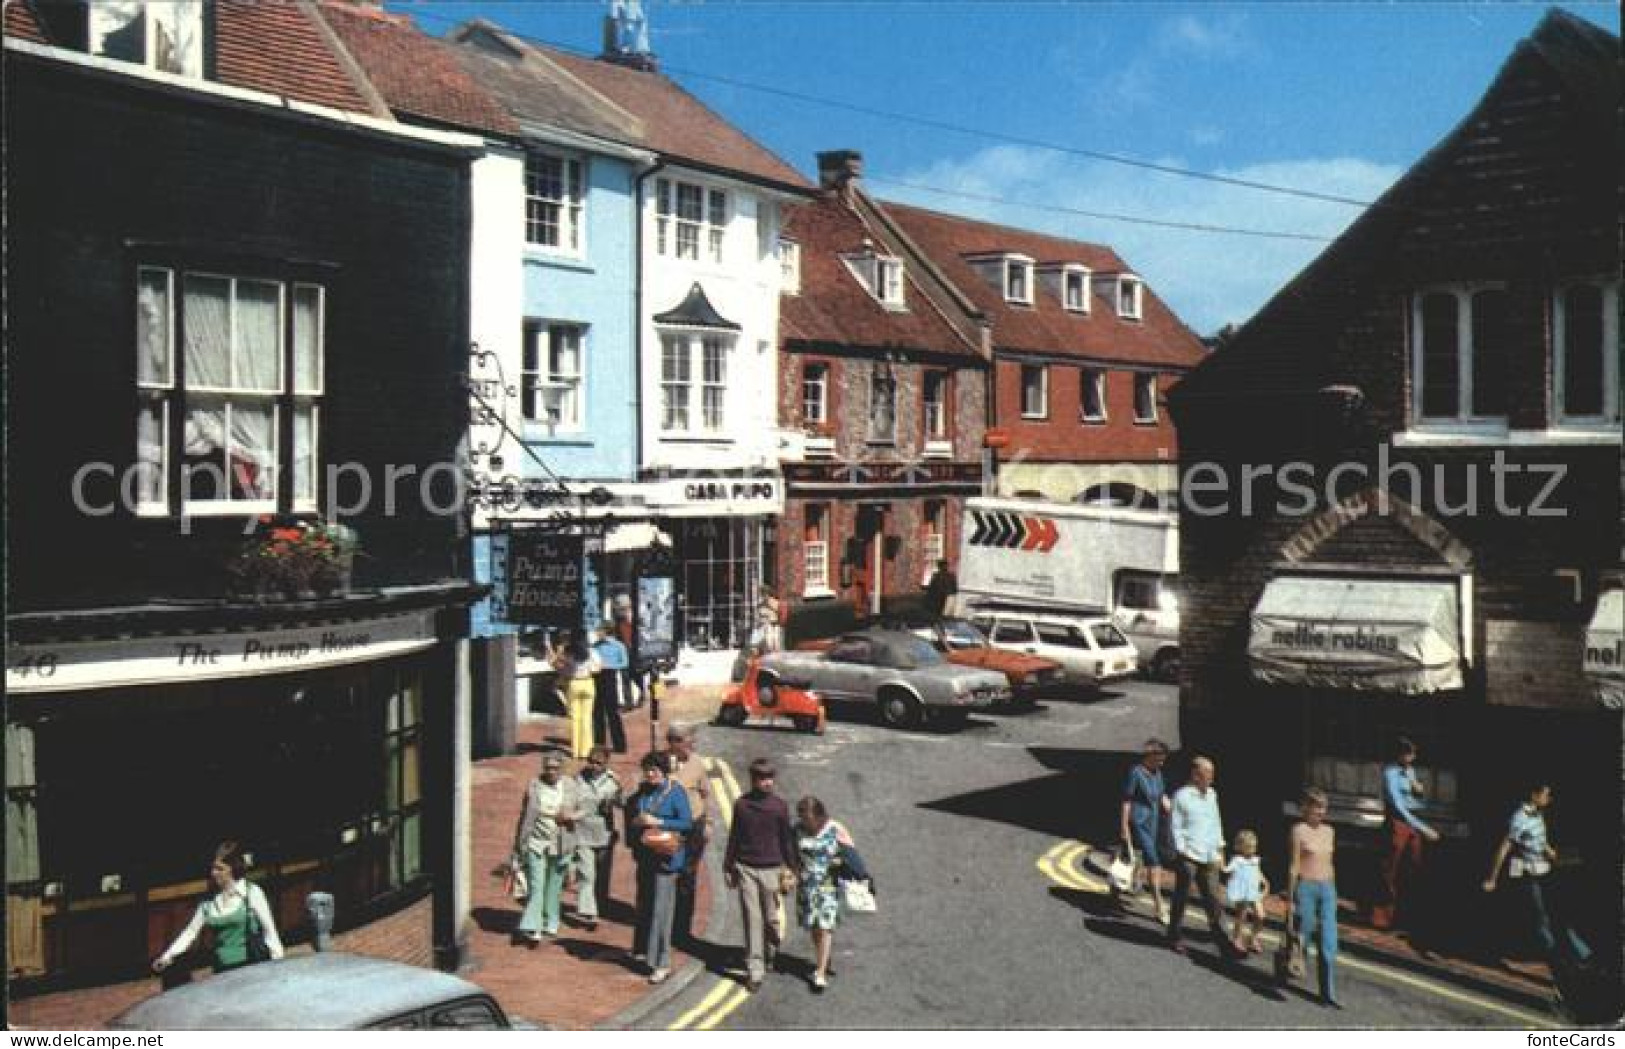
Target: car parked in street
{"type": "Point", "coordinates": [327, 991]}
{"type": "Point", "coordinates": [964, 645]}
{"type": "Point", "coordinates": [1091, 650]}
{"type": "Point", "coordinates": [904, 676]}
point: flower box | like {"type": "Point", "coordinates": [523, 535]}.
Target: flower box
{"type": "Point", "coordinates": [289, 559]}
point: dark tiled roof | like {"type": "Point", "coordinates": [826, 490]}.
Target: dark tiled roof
{"type": "Point", "coordinates": [833, 307]}
{"type": "Point", "coordinates": [276, 48]}
{"type": "Point", "coordinates": [22, 23]}
{"type": "Point", "coordinates": [536, 90]}
{"type": "Point", "coordinates": [1047, 326]}
{"type": "Point", "coordinates": [417, 75]}
{"type": "Point", "coordinates": [696, 311]}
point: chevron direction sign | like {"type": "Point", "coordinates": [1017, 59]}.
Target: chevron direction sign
{"type": "Point", "coordinates": [1007, 531]}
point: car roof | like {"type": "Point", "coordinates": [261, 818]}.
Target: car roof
{"type": "Point", "coordinates": [1078, 619]}
{"type": "Point", "coordinates": [325, 991]}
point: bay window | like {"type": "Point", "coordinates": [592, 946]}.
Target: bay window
{"type": "Point", "coordinates": [213, 410]}
{"type": "Point", "coordinates": [685, 357]}
{"type": "Point", "coordinates": [551, 375]}
{"type": "Point", "coordinates": [1585, 338]}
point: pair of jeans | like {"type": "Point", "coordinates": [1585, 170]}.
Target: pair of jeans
{"type": "Point", "coordinates": [546, 876]}
{"type": "Point", "coordinates": [657, 899]}
{"type": "Point", "coordinates": [593, 869]}
{"type": "Point", "coordinates": [1400, 866]}
{"type": "Point", "coordinates": [607, 728]}
{"type": "Point", "coordinates": [1560, 944]}
{"type": "Point", "coordinates": [1315, 910]}
{"type": "Point", "coordinates": [1206, 877]}
{"type": "Point", "coordinates": [759, 904]}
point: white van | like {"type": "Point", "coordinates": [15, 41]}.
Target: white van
{"type": "Point", "coordinates": [1089, 648]}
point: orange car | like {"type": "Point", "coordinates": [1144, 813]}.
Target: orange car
{"type": "Point", "coordinates": [965, 645]}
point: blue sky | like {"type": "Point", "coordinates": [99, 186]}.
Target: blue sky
{"type": "Point", "coordinates": [1336, 98]}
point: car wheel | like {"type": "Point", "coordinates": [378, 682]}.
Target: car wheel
{"type": "Point", "coordinates": [899, 709]}
{"type": "Point", "coordinates": [732, 715]}
{"type": "Point", "coordinates": [1165, 665]}
{"type": "Point", "coordinates": [805, 722]}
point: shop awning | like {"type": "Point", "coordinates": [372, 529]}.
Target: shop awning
{"type": "Point", "coordinates": [1605, 650]}
{"type": "Point", "coordinates": [1378, 635]}
{"type": "Point", "coordinates": [634, 536]}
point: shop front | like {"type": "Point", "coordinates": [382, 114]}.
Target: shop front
{"type": "Point", "coordinates": [319, 736]}
{"type": "Point", "coordinates": [1605, 650]}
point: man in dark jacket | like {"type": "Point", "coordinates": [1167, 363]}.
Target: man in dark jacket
{"type": "Point", "coordinates": [942, 587]}
{"type": "Point", "coordinates": [759, 864]}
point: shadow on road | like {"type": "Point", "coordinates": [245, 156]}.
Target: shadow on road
{"type": "Point", "coordinates": [1079, 801]}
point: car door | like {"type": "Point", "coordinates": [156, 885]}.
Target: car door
{"type": "Point", "coordinates": [847, 667]}
{"type": "Point", "coordinates": [1068, 646]}
{"type": "Point", "coordinates": [1013, 633]}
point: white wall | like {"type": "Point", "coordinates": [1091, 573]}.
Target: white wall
{"type": "Point", "coordinates": [496, 300]}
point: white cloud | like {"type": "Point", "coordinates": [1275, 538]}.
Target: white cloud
{"type": "Point", "coordinates": [1204, 36]}
{"type": "Point", "coordinates": [1208, 279]}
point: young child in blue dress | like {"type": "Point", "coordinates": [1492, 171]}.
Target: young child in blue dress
{"type": "Point", "coordinates": [1245, 887]}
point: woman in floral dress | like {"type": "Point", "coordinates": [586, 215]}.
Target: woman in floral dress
{"type": "Point", "coordinates": [818, 898]}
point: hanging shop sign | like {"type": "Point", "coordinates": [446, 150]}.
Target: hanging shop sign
{"type": "Point", "coordinates": [77, 666]}
{"type": "Point", "coordinates": [544, 584]}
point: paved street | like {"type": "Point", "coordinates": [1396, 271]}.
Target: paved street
{"type": "Point", "coordinates": [975, 931]}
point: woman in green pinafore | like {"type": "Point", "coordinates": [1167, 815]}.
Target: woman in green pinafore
{"type": "Point", "coordinates": [227, 913]}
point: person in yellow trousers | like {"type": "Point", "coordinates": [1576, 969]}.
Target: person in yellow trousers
{"type": "Point", "coordinates": [577, 665]}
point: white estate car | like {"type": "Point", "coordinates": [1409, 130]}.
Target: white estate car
{"type": "Point", "coordinates": [1089, 648]}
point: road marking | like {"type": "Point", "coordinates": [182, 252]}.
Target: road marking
{"type": "Point", "coordinates": [717, 1002]}
{"type": "Point", "coordinates": [711, 999]}
{"type": "Point", "coordinates": [1062, 864]}
{"type": "Point", "coordinates": [731, 1003]}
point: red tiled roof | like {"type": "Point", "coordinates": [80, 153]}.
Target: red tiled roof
{"type": "Point", "coordinates": [1047, 326]}
{"type": "Point", "coordinates": [675, 122]}
{"type": "Point", "coordinates": [834, 308]}
{"type": "Point", "coordinates": [274, 47]}
{"type": "Point", "coordinates": [416, 74]}
{"type": "Point", "coordinates": [21, 23]}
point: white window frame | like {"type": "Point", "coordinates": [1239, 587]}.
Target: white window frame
{"type": "Point", "coordinates": [1096, 378]}
{"type": "Point", "coordinates": [936, 429]}
{"type": "Point", "coordinates": [815, 552]}
{"type": "Point", "coordinates": [821, 384]}
{"type": "Point", "coordinates": [1127, 282]}
{"type": "Point", "coordinates": [1146, 382]}
{"type": "Point", "coordinates": [541, 378]}
{"type": "Point", "coordinates": [149, 13]}
{"type": "Point", "coordinates": [689, 390]}
{"type": "Point", "coordinates": [934, 544]}
{"type": "Point", "coordinates": [1043, 391]}
{"type": "Point", "coordinates": [1018, 264]}
{"type": "Point", "coordinates": [889, 281]}
{"type": "Point", "coordinates": [1081, 275]}
{"type": "Point", "coordinates": [571, 203]}
{"type": "Point", "coordinates": [1610, 415]}
{"type": "Point", "coordinates": [789, 266]}
{"type": "Point", "coordinates": [1464, 421]}
{"type": "Point", "coordinates": [290, 398]}
{"type": "Point", "coordinates": [701, 233]}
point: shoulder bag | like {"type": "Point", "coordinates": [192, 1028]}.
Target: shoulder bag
{"type": "Point", "coordinates": [253, 935]}
{"type": "Point", "coordinates": [660, 841]}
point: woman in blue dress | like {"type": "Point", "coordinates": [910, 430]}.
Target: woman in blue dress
{"type": "Point", "coordinates": [818, 898]}
{"type": "Point", "coordinates": [1144, 816]}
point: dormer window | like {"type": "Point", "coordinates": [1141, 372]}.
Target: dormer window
{"type": "Point", "coordinates": [1130, 295]}
{"type": "Point", "coordinates": [166, 35]}
{"type": "Point", "coordinates": [1018, 279]}
{"type": "Point", "coordinates": [1075, 289]}
{"type": "Point", "coordinates": [880, 275]}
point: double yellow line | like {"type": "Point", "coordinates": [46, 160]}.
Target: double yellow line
{"type": "Point", "coordinates": [1063, 865]}
{"type": "Point", "coordinates": [725, 995]}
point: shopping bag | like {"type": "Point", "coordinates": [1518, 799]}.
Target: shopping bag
{"type": "Point", "coordinates": [857, 897]}
{"type": "Point", "coordinates": [1121, 871]}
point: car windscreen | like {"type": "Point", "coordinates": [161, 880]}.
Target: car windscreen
{"type": "Point", "coordinates": [917, 652]}
{"type": "Point", "coordinates": [960, 634]}
{"type": "Point", "coordinates": [1107, 636]}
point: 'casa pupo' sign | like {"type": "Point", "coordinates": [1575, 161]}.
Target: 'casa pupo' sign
{"type": "Point", "coordinates": [544, 583]}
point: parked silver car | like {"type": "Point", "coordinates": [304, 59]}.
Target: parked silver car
{"type": "Point", "coordinates": [330, 991]}
{"type": "Point", "coordinates": [903, 675]}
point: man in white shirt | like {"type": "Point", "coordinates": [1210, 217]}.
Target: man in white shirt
{"type": "Point", "coordinates": [1198, 831]}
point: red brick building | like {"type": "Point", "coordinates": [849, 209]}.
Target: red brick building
{"type": "Point", "coordinates": [883, 377]}
{"type": "Point", "coordinates": [1085, 353]}
{"type": "Point", "coordinates": [1446, 375]}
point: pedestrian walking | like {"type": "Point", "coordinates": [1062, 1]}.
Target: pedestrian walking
{"type": "Point", "coordinates": [577, 666]}
{"type": "Point", "coordinates": [818, 897]}
{"type": "Point", "coordinates": [236, 913]}
{"type": "Point", "coordinates": [544, 846]}
{"type": "Point", "coordinates": [1245, 888]}
{"type": "Point", "coordinates": [941, 590]}
{"type": "Point", "coordinates": [1531, 854]}
{"type": "Point", "coordinates": [769, 632]}
{"type": "Point", "coordinates": [1312, 888]}
{"type": "Point", "coordinates": [600, 795]}
{"type": "Point", "coordinates": [688, 769]}
{"type": "Point", "coordinates": [1402, 862]}
{"type": "Point", "coordinates": [759, 864]}
{"type": "Point", "coordinates": [609, 691]}
{"type": "Point", "coordinates": [1144, 814]}
{"type": "Point", "coordinates": [1198, 854]}
{"type": "Point", "coordinates": [658, 823]}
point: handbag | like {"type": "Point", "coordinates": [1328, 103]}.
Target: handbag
{"type": "Point", "coordinates": [254, 935]}
{"type": "Point", "coordinates": [1289, 961]}
{"type": "Point", "coordinates": [857, 897]}
{"type": "Point", "coordinates": [515, 882]}
{"type": "Point", "coordinates": [662, 842]}
{"type": "Point", "coordinates": [1121, 871]}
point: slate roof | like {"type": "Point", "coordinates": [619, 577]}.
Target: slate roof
{"type": "Point", "coordinates": [534, 89]}
{"type": "Point", "coordinates": [635, 107]}
{"type": "Point", "coordinates": [834, 309]}
{"type": "Point", "coordinates": [1046, 326]}
{"type": "Point", "coordinates": [1269, 353]}
{"type": "Point", "coordinates": [696, 311]}
{"type": "Point", "coordinates": [418, 76]}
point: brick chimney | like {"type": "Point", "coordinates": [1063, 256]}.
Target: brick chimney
{"type": "Point", "coordinates": [838, 168]}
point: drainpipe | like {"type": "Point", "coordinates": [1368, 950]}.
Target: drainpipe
{"type": "Point", "coordinates": [637, 315]}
